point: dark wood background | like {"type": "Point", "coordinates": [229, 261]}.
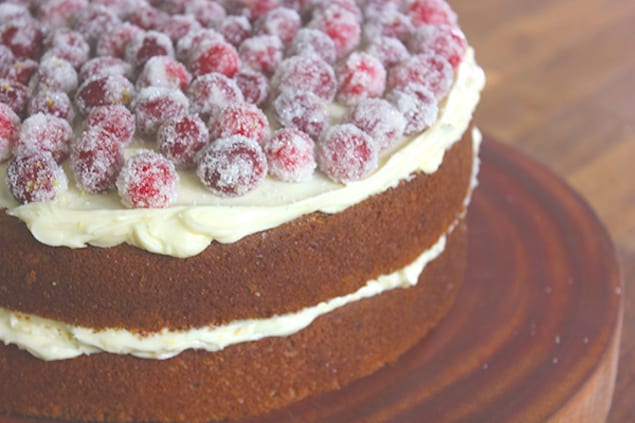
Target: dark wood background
{"type": "Point", "coordinates": [561, 88]}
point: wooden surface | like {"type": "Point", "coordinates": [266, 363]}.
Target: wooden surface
{"type": "Point", "coordinates": [561, 87]}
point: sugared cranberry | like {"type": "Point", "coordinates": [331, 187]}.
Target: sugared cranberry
{"type": "Point", "coordinates": [209, 13]}
{"type": "Point", "coordinates": [379, 119]}
{"type": "Point", "coordinates": [435, 12]}
{"type": "Point", "coordinates": [339, 24]}
{"type": "Point", "coordinates": [147, 180]}
{"type": "Point", "coordinates": [345, 153]}
{"type": "Point", "coordinates": [256, 9]}
{"type": "Point", "coordinates": [235, 29]}
{"type": "Point", "coordinates": [95, 20]}
{"type": "Point", "coordinates": [190, 42]}
{"type": "Point", "coordinates": [122, 8]}
{"type": "Point", "coordinates": [262, 53]}
{"type": "Point", "coordinates": [96, 160]}
{"type": "Point", "coordinates": [23, 37]}
{"type": "Point", "coordinates": [180, 139]}
{"type": "Point", "coordinates": [390, 51]}
{"type": "Point", "coordinates": [244, 119]}
{"type": "Point", "coordinates": [362, 76]}
{"type": "Point", "coordinates": [13, 11]}
{"type": "Point", "coordinates": [14, 94]}
{"type": "Point", "coordinates": [254, 85]}
{"type": "Point", "coordinates": [104, 91]}
{"type": "Point", "coordinates": [281, 22]}
{"type": "Point", "coordinates": [43, 132]}
{"type": "Point", "coordinates": [22, 71]}
{"type": "Point", "coordinates": [116, 120]}
{"type": "Point", "coordinates": [155, 105]}
{"type": "Point", "coordinates": [68, 45]}
{"type": "Point", "coordinates": [216, 56]}
{"type": "Point", "coordinates": [35, 176]}
{"type": "Point", "coordinates": [60, 13]}
{"type": "Point", "coordinates": [56, 103]}
{"type": "Point", "coordinates": [348, 5]}
{"type": "Point", "coordinates": [391, 23]}
{"type": "Point", "coordinates": [431, 71]}
{"type": "Point", "coordinates": [113, 43]}
{"type": "Point", "coordinates": [164, 71]}
{"type": "Point", "coordinates": [442, 40]}
{"type": "Point", "coordinates": [310, 41]}
{"type": "Point", "coordinates": [56, 74]}
{"type": "Point", "coordinates": [105, 66]}
{"type": "Point", "coordinates": [9, 127]}
{"type": "Point", "coordinates": [209, 92]}
{"type": "Point", "coordinates": [148, 17]}
{"type": "Point", "coordinates": [146, 45]}
{"type": "Point", "coordinates": [176, 26]}
{"type": "Point", "coordinates": [302, 110]}
{"type": "Point", "coordinates": [306, 73]}
{"type": "Point", "coordinates": [7, 59]}
{"type": "Point", "coordinates": [418, 105]}
{"type": "Point", "coordinates": [290, 155]}
{"type": "Point", "coordinates": [233, 166]}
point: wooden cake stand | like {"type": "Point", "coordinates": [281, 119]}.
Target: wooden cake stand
{"type": "Point", "coordinates": [534, 333]}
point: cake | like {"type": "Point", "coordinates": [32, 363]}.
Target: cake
{"type": "Point", "coordinates": [215, 209]}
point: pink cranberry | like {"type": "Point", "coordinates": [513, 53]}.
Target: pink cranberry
{"type": "Point", "coordinates": [379, 119]}
{"type": "Point", "coordinates": [310, 41]}
{"type": "Point", "coordinates": [216, 56]}
{"type": "Point", "coordinates": [68, 45]}
{"type": "Point", "coordinates": [113, 43]}
{"type": "Point", "coordinates": [390, 51]}
{"type": "Point", "coordinates": [96, 160]}
{"type": "Point", "coordinates": [164, 71]}
{"type": "Point", "coordinates": [435, 12]}
{"type": "Point", "coordinates": [34, 176]}
{"type": "Point", "coordinates": [348, 5]}
{"type": "Point", "coordinates": [116, 121]}
{"type": "Point", "coordinates": [235, 29]}
{"type": "Point", "coordinates": [362, 76]}
{"type": "Point", "coordinates": [56, 103]}
{"type": "Point", "coordinates": [256, 9]}
{"type": "Point", "coordinates": [14, 94]}
{"type": "Point", "coordinates": [443, 40]}
{"type": "Point", "coordinates": [23, 37]}
{"type": "Point", "coordinates": [302, 110]}
{"type": "Point", "coordinates": [104, 91]}
{"type": "Point", "coordinates": [147, 180]}
{"type": "Point", "coordinates": [290, 155]}
{"type": "Point", "coordinates": [56, 74]}
{"type": "Point", "coordinates": [390, 23]}
{"type": "Point", "coordinates": [176, 26]}
{"type": "Point", "coordinates": [9, 127]}
{"type": "Point", "coordinates": [431, 71]}
{"type": "Point", "coordinates": [22, 71]}
{"type": "Point", "coordinates": [244, 119]}
{"type": "Point", "coordinates": [180, 139]}
{"type": "Point", "coordinates": [45, 133]}
{"type": "Point", "coordinates": [122, 8]}
{"type": "Point", "coordinates": [306, 73]}
{"type": "Point", "coordinates": [7, 60]}
{"type": "Point", "coordinates": [13, 11]}
{"type": "Point", "coordinates": [146, 45]}
{"type": "Point", "coordinates": [339, 24]}
{"type": "Point", "coordinates": [209, 92]}
{"type": "Point", "coordinates": [148, 17]}
{"type": "Point", "coordinates": [345, 153]}
{"type": "Point", "coordinates": [233, 166]}
{"type": "Point", "coordinates": [60, 13]}
{"type": "Point", "coordinates": [254, 85]}
{"type": "Point", "coordinates": [262, 53]}
{"type": "Point", "coordinates": [190, 42]}
{"type": "Point", "coordinates": [418, 105]}
{"type": "Point", "coordinates": [281, 22]}
{"type": "Point", "coordinates": [105, 66]}
{"type": "Point", "coordinates": [209, 13]}
{"type": "Point", "coordinates": [155, 105]}
{"type": "Point", "coordinates": [95, 20]}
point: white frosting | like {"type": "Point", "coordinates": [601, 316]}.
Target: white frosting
{"type": "Point", "coordinates": [198, 217]}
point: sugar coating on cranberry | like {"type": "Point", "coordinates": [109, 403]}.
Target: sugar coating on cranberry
{"type": "Point", "coordinates": [254, 85]}
{"type": "Point", "coordinates": [290, 155]}
{"type": "Point", "coordinates": [390, 51]}
{"type": "Point", "coordinates": [345, 153]}
{"type": "Point", "coordinates": [442, 40]}
{"type": "Point", "coordinates": [435, 12]}
{"type": "Point", "coordinates": [233, 166]}
{"type": "Point", "coordinates": [208, 13]}
{"type": "Point", "coordinates": [96, 160]}
{"type": "Point", "coordinates": [216, 56]}
{"type": "Point", "coordinates": [104, 91]}
{"type": "Point", "coordinates": [244, 119]}
{"type": "Point", "coordinates": [306, 73]}
{"type": "Point", "coordinates": [256, 9]}
{"type": "Point", "coordinates": [309, 41]}
{"type": "Point", "coordinates": [433, 72]}
{"type": "Point", "coordinates": [56, 74]}
{"type": "Point", "coordinates": [261, 52]}
{"type": "Point", "coordinates": [418, 105]}
{"type": "Point", "coordinates": [115, 120]}
{"type": "Point", "coordinates": [7, 59]}
{"type": "Point", "coordinates": [348, 5]}
{"type": "Point", "coordinates": [113, 43]}
{"type": "Point", "coordinates": [390, 23]}
{"type": "Point", "coordinates": [339, 24]}
{"type": "Point", "coordinates": [56, 103]}
{"type": "Point", "coordinates": [95, 20]}
{"type": "Point", "coordinates": [60, 13]}
{"type": "Point", "coordinates": [235, 29]}
{"type": "Point", "coordinates": [44, 132]}
{"type": "Point", "coordinates": [12, 11]}
{"type": "Point", "coordinates": [176, 26]}
{"type": "Point", "coordinates": [68, 45]}
{"type": "Point", "coordinates": [23, 37]}
{"type": "Point", "coordinates": [35, 176]}
{"type": "Point", "coordinates": [302, 110]}
{"type": "Point", "coordinates": [164, 71]}
{"type": "Point", "coordinates": [9, 127]}
{"type": "Point", "coordinates": [154, 105]}
{"type": "Point", "coordinates": [147, 180]}
{"type": "Point", "coordinates": [122, 8]}
{"type": "Point", "coordinates": [281, 22]}
{"type": "Point", "coordinates": [180, 139]}
{"type": "Point", "coordinates": [209, 92]}
{"type": "Point", "coordinates": [148, 17]}
{"type": "Point", "coordinates": [361, 76]}
{"type": "Point", "coordinates": [187, 45]}
{"type": "Point", "coordinates": [104, 66]}
{"type": "Point", "coordinates": [22, 71]}
{"type": "Point", "coordinates": [379, 119]}
{"type": "Point", "coordinates": [148, 44]}
{"type": "Point", "coordinates": [14, 94]}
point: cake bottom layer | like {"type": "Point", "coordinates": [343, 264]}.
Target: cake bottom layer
{"type": "Point", "coordinates": [245, 379]}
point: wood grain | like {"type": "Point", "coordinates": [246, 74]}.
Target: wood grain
{"type": "Point", "coordinates": [561, 88]}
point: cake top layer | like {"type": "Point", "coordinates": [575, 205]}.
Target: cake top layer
{"type": "Point", "coordinates": [199, 121]}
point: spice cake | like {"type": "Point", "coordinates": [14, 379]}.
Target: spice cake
{"type": "Point", "coordinates": [215, 209]}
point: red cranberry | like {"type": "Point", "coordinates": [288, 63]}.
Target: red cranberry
{"type": "Point", "coordinates": [302, 110]}
{"type": "Point", "coordinates": [146, 45]}
{"type": "Point", "coordinates": [60, 13]}
{"type": "Point", "coordinates": [68, 45]}
{"type": "Point", "coordinates": [154, 105]}
{"type": "Point", "coordinates": [254, 85]}
{"type": "Point", "coordinates": [122, 8]}
{"type": "Point", "coordinates": [349, 6]}
{"type": "Point", "coordinates": [233, 166]}
{"type": "Point", "coordinates": [96, 160]}
{"type": "Point", "coordinates": [147, 180]}
{"type": "Point", "coordinates": [345, 153]}
{"type": "Point", "coordinates": [216, 56]}
{"type": "Point", "coordinates": [113, 43]}
{"type": "Point", "coordinates": [244, 119]}
{"type": "Point", "coordinates": [390, 23]}
{"type": "Point", "coordinates": [339, 24]}
{"type": "Point", "coordinates": [262, 53]}
{"type": "Point", "coordinates": [290, 155]}
{"type": "Point", "coordinates": [164, 71]}
{"type": "Point", "coordinates": [13, 11]}
{"type": "Point", "coordinates": [105, 66]}
{"type": "Point", "coordinates": [418, 105]}
{"type": "Point", "coordinates": [9, 127]}
{"type": "Point", "coordinates": [281, 22]}
{"type": "Point", "coordinates": [310, 41]}
{"type": "Point", "coordinates": [235, 29]}
{"type": "Point", "coordinates": [209, 92]}
{"type": "Point", "coordinates": [308, 73]}
{"type": "Point", "coordinates": [34, 176]}
{"type": "Point", "coordinates": [190, 42]}
{"type": "Point", "coordinates": [116, 121]}
{"type": "Point", "coordinates": [176, 26]}
{"type": "Point", "coordinates": [362, 76]}
{"type": "Point", "coordinates": [379, 119]}
{"type": "Point", "coordinates": [433, 72]}
{"type": "Point", "coordinates": [45, 133]}
{"type": "Point", "coordinates": [208, 13]}
{"type": "Point", "coordinates": [104, 91]}
{"type": "Point", "coordinates": [256, 9]}
{"type": "Point", "coordinates": [22, 71]}
{"type": "Point", "coordinates": [56, 103]}
{"type": "Point", "coordinates": [180, 139]}
{"type": "Point", "coordinates": [148, 17]}
{"type": "Point", "coordinates": [56, 74]}
{"type": "Point", "coordinates": [14, 94]}
{"type": "Point", "coordinates": [94, 21]}
{"type": "Point", "coordinates": [23, 37]}
{"type": "Point", "coordinates": [7, 60]}
{"type": "Point", "coordinates": [442, 40]}
{"type": "Point", "coordinates": [390, 51]}
{"type": "Point", "coordinates": [435, 12]}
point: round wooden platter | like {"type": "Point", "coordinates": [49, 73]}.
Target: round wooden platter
{"type": "Point", "coordinates": [534, 333]}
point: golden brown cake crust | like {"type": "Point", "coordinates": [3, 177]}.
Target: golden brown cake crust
{"type": "Point", "coordinates": [244, 379]}
{"type": "Point", "coordinates": [285, 269]}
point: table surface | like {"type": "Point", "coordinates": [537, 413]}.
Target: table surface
{"type": "Point", "coordinates": [561, 88]}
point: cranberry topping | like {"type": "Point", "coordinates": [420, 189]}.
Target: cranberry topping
{"type": "Point", "coordinates": [379, 119]}
{"type": "Point", "coordinates": [96, 159]}
{"type": "Point", "coordinates": [306, 73]}
{"type": "Point", "coordinates": [208, 92]}
{"type": "Point", "coordinates": [115, 120]}
{"type": "Point", "coordinates": [180, 139]}
{"type": "Point", "coordinates": [154, 105]}
{"type": "Point", "coordinates": [56, 103]}
{"type": "Point", "coordinates": [290, 155]}
{"type": "Point", "coordinates": [262, 53]}
{"type": "Point", "coordinates": [44, 132]}
{"type": "Point", "coordinates": [34, 176]}
{"type": "Point", "coordinates": [244, 119]}
{"type": "Point", "coordinates": [302, 110]}
{"type": "Point", "coordinates": [104, 91]}
{"type": "Point", "coordinates": [362, 76]}
{"type": "Point", "coordinates": [9, 127]}
{"type": "Point", "coordinates": [147, 180]}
